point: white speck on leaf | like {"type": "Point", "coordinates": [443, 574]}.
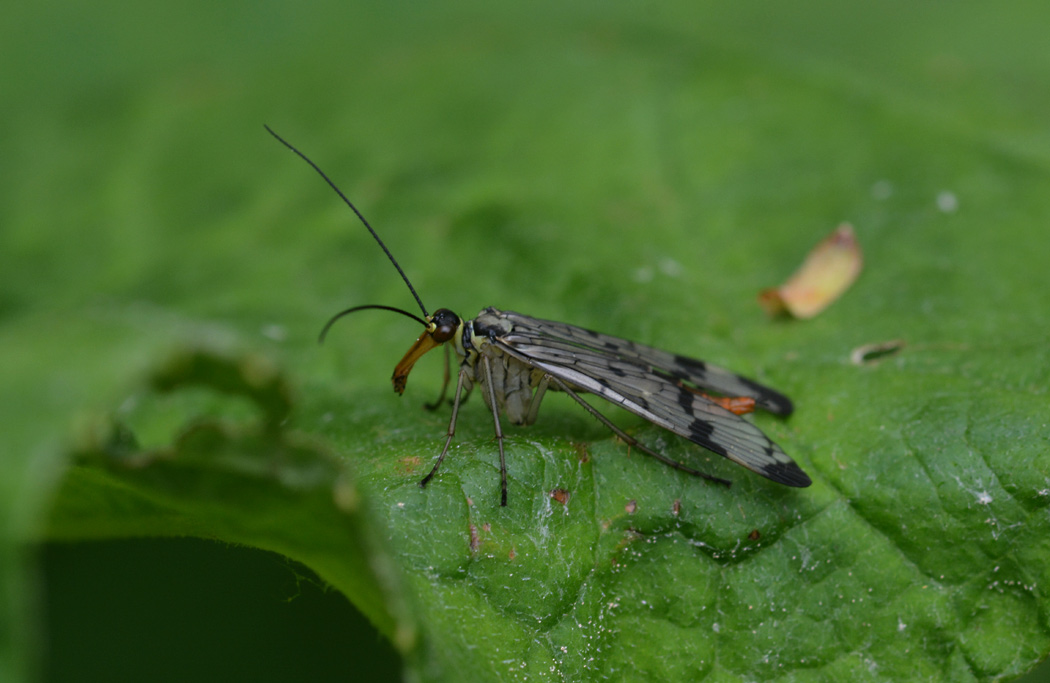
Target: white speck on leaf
{"type": "Point", "coordinates": [882, 189]}
{"type": "Point", "coordinates": [670, 267]}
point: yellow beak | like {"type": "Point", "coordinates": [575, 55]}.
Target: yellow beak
{"type": "Point", "coordinates": [423, 344]}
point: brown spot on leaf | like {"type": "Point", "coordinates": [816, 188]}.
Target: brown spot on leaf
{"type": "Point", "coordinates": [408, 464]}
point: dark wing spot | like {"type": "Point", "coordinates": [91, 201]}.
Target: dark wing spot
{"type": "Point", "coordinates": [697, 366]}
{"type": "Point", "coordinates": [787, 473]}
{"type": "Point", "coordinates": [702, 431]}
{"type": "Point", "coordinates": [685, 399]}
{"type": "Point", "coordinates": [773, 401]}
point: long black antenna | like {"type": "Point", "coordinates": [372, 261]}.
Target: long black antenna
{"type": "Point", "coordinates": [351, 205]}
{"type": "Point", "coordinates": [340, 314]}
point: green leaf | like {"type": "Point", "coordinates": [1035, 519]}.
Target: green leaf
{"type": "Point", "coordinates": [252, 484]}
{"type": "Point", "coordinates": [643, 171]}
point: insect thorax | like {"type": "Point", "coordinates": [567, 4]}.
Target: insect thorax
{"type": "Point", "coordinates": [513, 381]}
{"type": "Point", "coordinates": [491, 323]}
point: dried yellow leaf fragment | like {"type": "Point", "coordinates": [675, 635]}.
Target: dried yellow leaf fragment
{"type": "Point", "coordinates": [824, 276]}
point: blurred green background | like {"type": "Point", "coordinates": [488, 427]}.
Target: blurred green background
{"type": "Point", "coordinates": [562, 160]}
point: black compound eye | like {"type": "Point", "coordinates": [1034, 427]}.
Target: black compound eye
{"type": "Point", "coordinates": [445, 324]}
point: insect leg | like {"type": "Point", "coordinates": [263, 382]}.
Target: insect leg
{"type": "Point", "coordinates": [537, 398]}
{"type": "Point", "coordinates": [631, 441]}
{"type": "Point", "coordinates": [451, 428]}
{"type": "Point", "coordinates": [499, 432]}
{"type": "Point", "coordinates": [444, 385]}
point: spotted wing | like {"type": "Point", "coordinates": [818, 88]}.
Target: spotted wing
{"type": "Point", "coordinates": [647, 382]}
{"type": "Point", "coordinates": [697, 372]}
